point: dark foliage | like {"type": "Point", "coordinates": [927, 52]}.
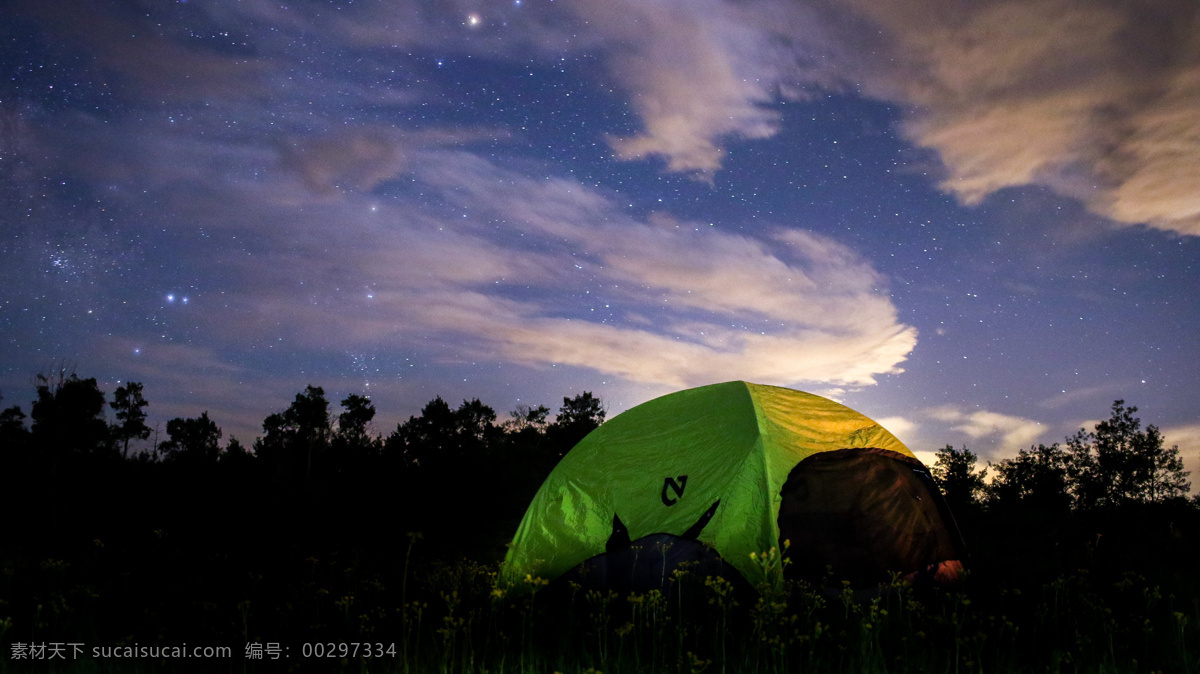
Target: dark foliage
{"type": "Point", "coordinates": [128, 407]}
{"type": "Point", "coordinates": [1119, 463]}
{"type": "Point", "coordinates": [293, 439]}
{"type": "Point", "coordinates": [576, 418]}
{"type": "Point", "coordinates": [192, 440]}
{"type": "Point", "coordinates": [954, 472]}
{"type": "Point", "coordinates": [14, 437]}
{"type": "Point", "coordinates": [441, 437]}
{"type": "Point", "coordinates": [68, 417]}
{"type": "Point", "coordinates": [1038, 479]}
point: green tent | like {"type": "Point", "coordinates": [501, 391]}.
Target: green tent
{"type": "Point", "coordinates": [729, 466]}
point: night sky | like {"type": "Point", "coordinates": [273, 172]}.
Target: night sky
{"type": "Point", "coordinates": [976, 222]}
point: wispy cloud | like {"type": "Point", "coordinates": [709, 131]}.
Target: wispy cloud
{"type": "Point", "coordinates": [186, 380]}
{"type": "Point", "coordinates": [695, 73]}
{"type": "Point", "coordinates": [351, 159]}
{"type": "Point", "coordinates": [1005, 433]}
{"type": "Point", "coordinates": [1093, 100]}
{"type": "Point", "coordinates": [659, 302]}
{"type": "Point", "coordinates": [164, 63]}
{"type": "Point", "coordinates": [474, 261]}
{"type": "Point", "coordinates": [1069, 397]}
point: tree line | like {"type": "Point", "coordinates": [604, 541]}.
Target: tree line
{"type": "Point", "coordinates": [68, 421]}
{"type": "Point", "coordinates": [1117, 464]}
{"type": "Point", "coordinates": [315, 468]}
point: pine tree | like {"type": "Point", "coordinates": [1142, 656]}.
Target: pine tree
{"type": "Point", "coordinates": [127, 406]}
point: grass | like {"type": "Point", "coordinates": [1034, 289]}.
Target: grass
{"type": "Point", "coordinates": [1072, 623]}
{"type": "Point", "coordinates": [434, 616]}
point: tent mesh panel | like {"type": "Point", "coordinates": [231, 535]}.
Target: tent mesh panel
{"type": "Point", "coordinates": [863, 512]}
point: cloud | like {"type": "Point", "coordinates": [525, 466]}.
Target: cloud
{"type": "Point", "coordinates": [1094, 100]}
{"type": "Point", "coordinates": [547, 272]}
{"type": "Point", "coordinates": [1187, 438]}
{"type": "Point", "coordinates": [1102, 392]}
{"type": "Point", "coordinates": [646, 356]}
{"type": "Point", "coordinates": [796, 308]}
{"type": "Point", "coordinates": [354, 159]}
{"type": "Point", "coordinates": [473, 261]}
{"type": "Point", "coordinates": [142, 53]}
{"type": "Point", "coordinates": [694, 73]}
{"type": "Point", "coordinates": [898, 426]}
{"type": "Point", "coordinates": [1008, 433]}
{"type": "Point", "coordinates": [184, 381]}
{"type": "Point", "coordinates": [910, 433]}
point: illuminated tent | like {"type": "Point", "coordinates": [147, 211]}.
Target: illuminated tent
{"type": "Point", "coordinates": [723, 471]}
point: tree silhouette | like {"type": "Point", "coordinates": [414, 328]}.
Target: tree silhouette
{"type": "Point", "coordinates": [528, 420]}
{"type": "Point", "coordinates": [1037, 478]}
{"type": "Point", "coordinates": [353, 445]}
{"type": "Point", "coordinates": [14, 437]}
{"type": "Point", "coordinates": [128, 405]}
{"type": "Point", "coordinates": [1119, 463]}
{"type": "Point", "coordinates": [68, 416]}
{"type": "Point", "coordinates": [292, 439]}
{"type": "Point", "coordinates": [476, 426]}
{"type": "Point", "coordinates": [440, 435]}
{"type": "Point", "coordinates": [576, 418]}
{"type": "Point", "coordinates": [421, 438]}
{"type": "Point", "coordinates": [353, 422]}
{"type": "Point", "coordinates": [236, 454]}
{"type": "Point", "coordinates": [525, 434]}
{"type": "Point", "coordinates": [954, 472]}
{"type": "Point", "coordinates": [194, 440]}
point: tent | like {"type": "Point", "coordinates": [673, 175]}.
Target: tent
{"type": "Point", "coordinates": [719, 472]}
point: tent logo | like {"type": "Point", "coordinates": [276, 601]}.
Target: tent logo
{"type": "Point", "coordinates": [677, 487]}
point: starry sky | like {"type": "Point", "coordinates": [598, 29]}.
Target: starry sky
{"type": "Point", "coordinates": [978, 223]}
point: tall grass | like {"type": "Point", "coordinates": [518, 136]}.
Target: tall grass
{"type": "Point", "coordinates": [451, 618]}
{"type": "Point", "coordinates": [1072, 623]}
